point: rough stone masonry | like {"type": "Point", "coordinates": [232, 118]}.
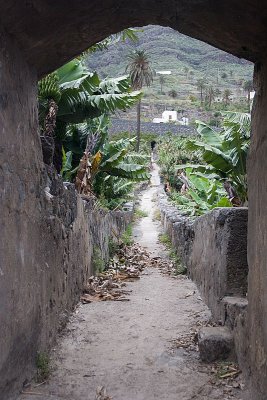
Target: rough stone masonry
{"type": "Point", "coordinates": [35, 41]}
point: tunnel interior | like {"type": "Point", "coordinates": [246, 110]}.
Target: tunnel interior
{"type": "Point", "coordinates": [39, 36]}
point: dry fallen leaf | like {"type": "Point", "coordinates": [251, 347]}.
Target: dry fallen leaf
{"type": "Point", "coordinates": [101, 394]}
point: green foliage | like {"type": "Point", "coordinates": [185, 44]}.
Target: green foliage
{"type": "Point", "coordinates": [114, 162]}
{"type": "Point", "coordinates": [173, 94]}
{"type": "Point", "coordinates": [138, 213]}
{"type": "Point", "coordinates": [98, 263]}
{"type": "Point", "coordinates": [165, 239]}
{"type": "Point", "coordinates": [139, 69]}
{"type": "Point", "coordinates": [225, 153]}
{"type": "Point", "coordinates": [140, 74]}
{"type": "Point", "coordinates": [126, 34]}
{"type": "Point", "coordinates": [114, 192]}
{"type": "Point", "coordinates": [192, 98]}
{"type": "Point", "coordinates": [127, 235]}
{"type": "Point", "coordinates": [115, 167]}
{"type": "Point", "coordinates": [93, 132]}
{"type": "Point", "coordinates": [80, 94]}
{"type": "Point", "coordinates": [67, 171]}
{"type": "Point", "coordinates": [43, 367]}
{"type": "Point", "coordinates": [203, 195]}
{"type": "Point", "coordinates": [173, 151]}
{"type": "Point", "coordinates": [145, 140]}
{"type": "Point", "coordinates": [157, 215]}
{"type": "Point", "coordinates": [48, 88]}
{"type": "Point", "coordinates": [180, 269]}
{"type": "Point", "coordinates": [117, 171]}
{"type": "Point", "coordinates": [170, 50]}
{"type": "Point", "coordinates": [112, 247]}
{"type": "Point", "coordinates": [81, 123]}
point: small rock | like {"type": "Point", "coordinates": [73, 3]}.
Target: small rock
{"type": "Point", "coordinates": [215, 343]}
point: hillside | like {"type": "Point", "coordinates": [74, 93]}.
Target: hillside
{"type": "Point", "coordinates": [188, 60]}
{"type": "Point", "coordinates": [173, 51]}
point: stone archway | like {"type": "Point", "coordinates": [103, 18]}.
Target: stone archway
{"type": "Point", "coordinates": [50, 34]}
{"type": "Point", "coordinates": [36, 37]}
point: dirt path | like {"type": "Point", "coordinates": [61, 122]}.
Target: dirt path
{"type": "Point", "coordinates": [127, 346]}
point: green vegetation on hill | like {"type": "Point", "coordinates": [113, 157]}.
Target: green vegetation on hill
{"type": "Point", "coordinates": [188, 59]}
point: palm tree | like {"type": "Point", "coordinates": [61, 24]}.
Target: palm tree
{"type": "Point", "coordinates": [217, 92]}
{"type": "Point", "coordinates": [248, 87]}
{"type": "Point", "coordinates": [186, 70]}
{"type": "Point", "coordinates": [141, 74]}
{"type": "Point", "coordinates": [172, 93]}
{"type": "Point", "coordinates": [161, 81]}
{"type": "Point", "coordinates": [210, 95]}
{"type": "Point", "coordinates": [226, 96]}
{"type": "Point", "coordinates": [201, 85]}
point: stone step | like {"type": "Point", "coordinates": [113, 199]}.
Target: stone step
{"type": "Point", "coordinates": [215, 343]}
{"type": "Point", "coordinates": [233, 307]}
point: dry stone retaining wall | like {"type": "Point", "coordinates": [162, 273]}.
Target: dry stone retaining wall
{"type": "Point", "coordinates": [213, 247]}
{"type": "Point", "coordinates": [124, 125]}
{"type": "Point", "coordinates": [43, 297]}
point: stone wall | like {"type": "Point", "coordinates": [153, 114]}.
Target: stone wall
{"type": "Point", "coordinates": [40, 31]}
{"type": "Point", "coordinates": [257, 236]}
{"type": "Point", "coordinates": [213, 247]}
{"type": "Point", "coordinates": [126, 125]}
{"type": "Point", "coordinates": [41, 297]}
{"type": "Point", "coordinates": [48, 233]}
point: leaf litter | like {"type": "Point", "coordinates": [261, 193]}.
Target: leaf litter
{"type": "Point", "coordinates": [226, 374]}
{"type": "Point", "coordinates": [127, 265]}
{"type": "Point", "coordinates": [101, 394]}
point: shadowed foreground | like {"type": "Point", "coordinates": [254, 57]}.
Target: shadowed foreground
{"type": "Point", "coordinates": [128, 347]}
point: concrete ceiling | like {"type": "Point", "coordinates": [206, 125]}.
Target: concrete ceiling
{"type": "Point", "coordinates": [52, 32]}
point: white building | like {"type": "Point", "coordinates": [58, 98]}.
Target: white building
{"type": "Point", "coordinates": [170, 116]}
{"type": "Point", "coordinates": [252, 95]}
{"type": "Point", "coordinates": [167, 116]}
{"type": "Point", "coordinates": [163, 72]}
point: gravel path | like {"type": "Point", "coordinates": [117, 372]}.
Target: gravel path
{"type": "Point", "coordinates": [127, 347]}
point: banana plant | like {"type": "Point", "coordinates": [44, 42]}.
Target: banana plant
{"type": "Point", "coordinates": [72, 95]}
{"type": "Point", "coordinates": [203, 195]}
{"type": "Point", "coordinates": [128, 33]}
{"type": "Point", "coordinates": [109, 165]}
{"type": "Point", "coordinates": [114, 161]}
{"type": "Point", "coordinates": [115, 191]}
{"type": "Point", "coordinates": [225, 154]}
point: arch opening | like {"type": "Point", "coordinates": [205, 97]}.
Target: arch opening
{"type": "Point", "coordinates": [48, 34]}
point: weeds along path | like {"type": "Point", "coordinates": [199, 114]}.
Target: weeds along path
{"type": "Point", "coordinates": [142, 349]}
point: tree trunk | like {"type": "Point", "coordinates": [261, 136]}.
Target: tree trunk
{"type": "Point", "coordinates": [138, 131]}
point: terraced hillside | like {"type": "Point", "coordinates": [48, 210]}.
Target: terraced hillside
{"type": "Point", "coordinates": [189, 60]}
